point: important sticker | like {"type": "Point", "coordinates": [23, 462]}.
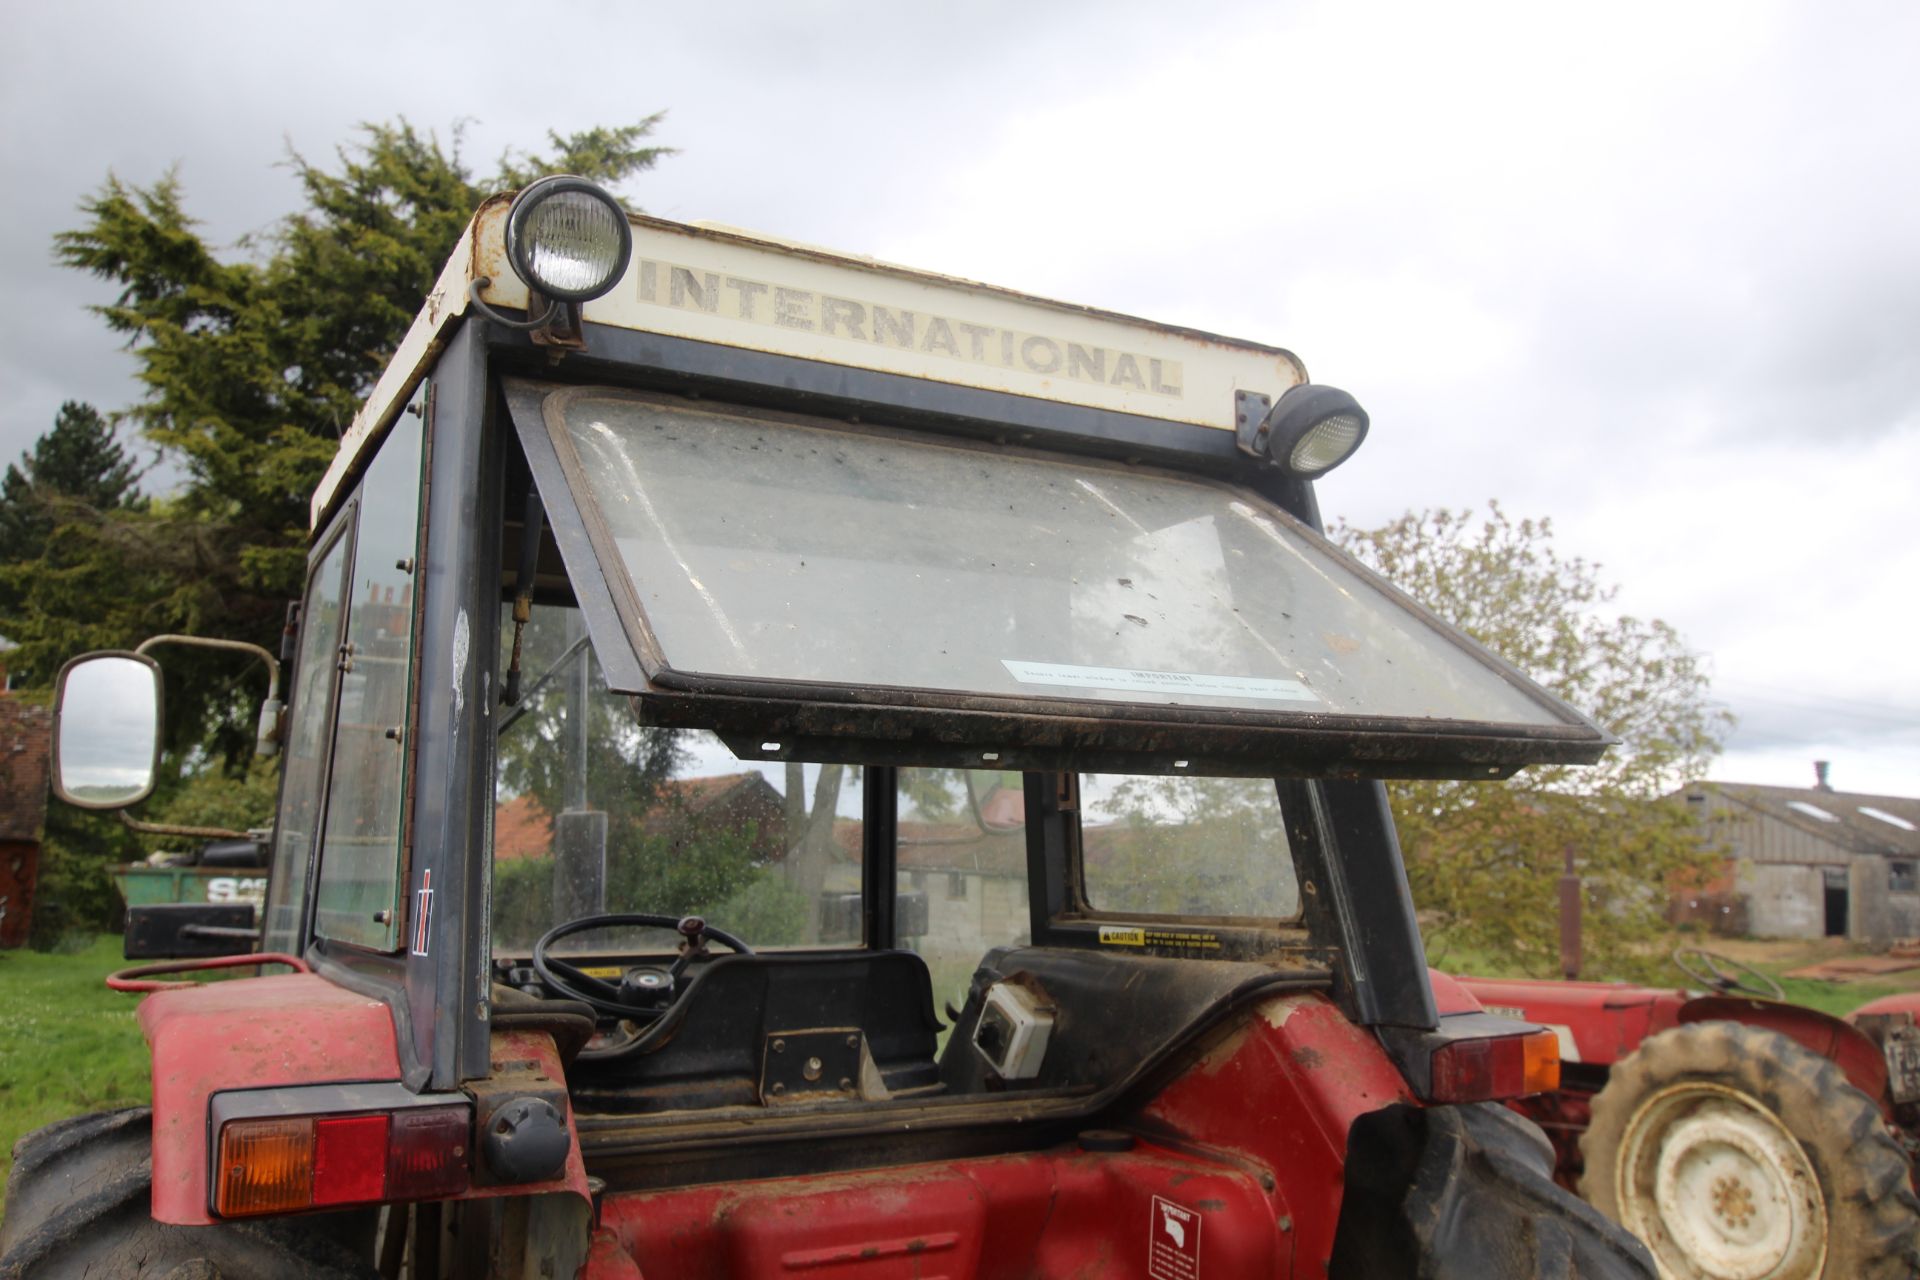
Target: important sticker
{"type": "Point", "coordinates": [1114, 935]}
{"type": "Point", "coordinates": [1173, 1242]}
{"type": "Point", "coordinates": [1133, 680]}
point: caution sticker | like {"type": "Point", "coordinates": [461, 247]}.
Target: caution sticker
{"type": "Point", "coordinates": [1173, 1242]}
{"type": "Point", "coordinates": [1113, 935]}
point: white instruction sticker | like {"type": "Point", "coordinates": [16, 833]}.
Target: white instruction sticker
{"type": "Point", "coordinates": [1173, 1246]}
{"type": "Point", "coordinates": [1138, 681]}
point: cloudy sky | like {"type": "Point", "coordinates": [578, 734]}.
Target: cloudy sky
{"type": "Point", "coordinates": [1651, 270]}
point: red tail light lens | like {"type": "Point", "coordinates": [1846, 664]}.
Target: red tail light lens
{"type": "Point", "coordinates": [1495, 1067]}
{"type": "Point", "coordinates": [349, 1159]}
{"type": "Point", "coordinates": [286, 1164]}
{"type": "Point", "coordinates": [427, 1154]}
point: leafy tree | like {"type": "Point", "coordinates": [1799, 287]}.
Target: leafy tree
{"type": "Point", "coordinates": [253, 360]}
{"type": "Point", "coordinates": [79, 461]}
{"type": "Point", "coordinates": [253, 363]}
{"type": "Point", "coordinates": [1484, 859]}
{"type": "Point", "coordinates": [59, 510]}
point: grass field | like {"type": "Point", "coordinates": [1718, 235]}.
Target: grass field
{"type": "Point", "coordinates": [67, 1044]}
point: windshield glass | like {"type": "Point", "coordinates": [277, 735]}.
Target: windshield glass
{"type": "Point", "coordinates": [770, 547]}
{"type": "Point", "coordinates": [594, 813]}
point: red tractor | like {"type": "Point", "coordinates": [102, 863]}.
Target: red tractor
{"type": "Point", "coordinates": [1737, 1135]}
{"type": "Point", "coordinates": [796, 766]}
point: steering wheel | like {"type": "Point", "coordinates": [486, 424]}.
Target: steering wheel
{"type": "Point", "coordinates": [1725, 974]}
{"type": "Point", "coordinates": [644, 992]}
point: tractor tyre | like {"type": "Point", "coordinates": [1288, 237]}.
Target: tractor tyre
{"type": "Point", "coordinates": [77, 1206]}
{"type": "Point", "coordinates": [1735, 1153]}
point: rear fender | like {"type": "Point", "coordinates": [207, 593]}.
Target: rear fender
{"type": "Point", "coordinates": [280, 1032]}
{"type": "Point", "coordinates": [1857, 1056]}
{"type": "Point", "coordinates": [253, 1033]}
{"type": "Point", "coordinates": [1279, 1093]}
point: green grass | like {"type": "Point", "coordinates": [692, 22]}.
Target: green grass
{"type": "Point", "coordinates": [1837, 998]}
{"type": "Point", "coordinates": [67, 1044]}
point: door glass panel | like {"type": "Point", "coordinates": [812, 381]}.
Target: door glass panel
{"type": "Point", "coordinates": [596, 814]}
{"type": "Point", "coordinates": [962, 866]}
{"type": "Point", "coordinates": [1186, 847]}
{"type": "Point", "coordinates": [359, 882]}
{"type": "Point", "coordinates": [305, 748]}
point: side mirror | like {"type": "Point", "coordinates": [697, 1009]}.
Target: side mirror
{"type": "Point", "coordinates": [106, 730]}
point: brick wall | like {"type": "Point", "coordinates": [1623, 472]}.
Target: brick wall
{"type": "Point", "coordinates": [24, 746]}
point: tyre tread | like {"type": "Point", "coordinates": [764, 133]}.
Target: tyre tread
{"type": "Point", "coordinates": [77, 1205]}
{"type": "Point", "coordinates": [1873, 1214]}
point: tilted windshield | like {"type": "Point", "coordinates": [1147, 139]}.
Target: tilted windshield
{"type": "Point", "coordinates": [887, 569]}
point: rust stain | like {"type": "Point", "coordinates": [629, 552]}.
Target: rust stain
{"type": "Point", "coordinates": [1309, 1058]}
{"type": "Point", "coordinates": [1223, 1053]}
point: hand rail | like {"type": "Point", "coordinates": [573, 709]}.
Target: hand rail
{"type": "Point", "coordinates": [139, 978]}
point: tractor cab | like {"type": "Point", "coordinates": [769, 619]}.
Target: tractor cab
{"type": "Point", "coordinates": [820, 757]}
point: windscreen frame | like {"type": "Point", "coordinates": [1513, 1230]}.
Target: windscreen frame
{"type": "Point", "coordinates": [765, 718]}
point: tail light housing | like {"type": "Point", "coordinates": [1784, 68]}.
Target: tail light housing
{"type": "Point", "coordinates": [1495, 1067]}
{"type": "Point", "coordinates": [1476, 1057]}
{"type": "Point", "coordinates": [325, 1147]}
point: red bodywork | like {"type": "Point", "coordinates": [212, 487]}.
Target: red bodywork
{"type": "Point", "coordinates": [1600, 1023]}
{"type": "Point", "coordinates": [257, 1033]}
{"type": "Point", "coordinates": [1243, 1153]}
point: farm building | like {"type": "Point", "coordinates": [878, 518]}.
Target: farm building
{"type": "Point", "coordinates": [24, 745]}
{"type": "Point", "coordinates": [1811, 862]}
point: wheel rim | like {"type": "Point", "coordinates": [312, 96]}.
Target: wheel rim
{"type": "Point", "coordinates": [1718, 1189]}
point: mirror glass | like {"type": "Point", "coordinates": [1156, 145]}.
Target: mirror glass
{"type": "Point", "coordinates": [109, 730]}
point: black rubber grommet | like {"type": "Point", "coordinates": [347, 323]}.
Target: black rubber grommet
{"type": "Point", "coordinates": [1106, 1140]}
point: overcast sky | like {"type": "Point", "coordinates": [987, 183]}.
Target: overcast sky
{"type": "Point", "coordinates": [1649, 270]}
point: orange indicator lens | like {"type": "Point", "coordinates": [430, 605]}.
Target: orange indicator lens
{"type": "Point", "coordinates": [1542, 1051]}
{"type": "Point", "coordinates": [266, 1166]}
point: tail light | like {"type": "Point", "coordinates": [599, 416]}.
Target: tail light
{"type": "Point", "coordinates": [1490, 1068]}
{"type": "Point", "coordinates": [282, 1163]}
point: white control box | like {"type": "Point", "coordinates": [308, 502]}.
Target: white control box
{"type": "Point", "coordinates": [1013, 1031]}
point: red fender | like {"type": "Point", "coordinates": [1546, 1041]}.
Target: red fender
{"type": "Point", "coordinates": [259, 1033]}
{"type": "Point", "coordinates": [1858, 1057]}
{"type": "Point", "coordinates": [1907, 1002]}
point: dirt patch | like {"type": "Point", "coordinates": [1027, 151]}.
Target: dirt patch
{"type": "Point", "coordinates": [1855, 967]}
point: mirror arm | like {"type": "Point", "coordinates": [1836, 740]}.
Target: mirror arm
{"type": "Point", "coordinates": [266, 740]}
{"type": "Point", "coordinates": [232, 646]}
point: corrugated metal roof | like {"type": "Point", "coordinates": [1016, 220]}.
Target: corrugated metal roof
{"type": "Point", "coordinates": [1886, 825]}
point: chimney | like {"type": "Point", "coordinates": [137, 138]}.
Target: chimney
{"type": "Point", "coordinates": [1820, 782]}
